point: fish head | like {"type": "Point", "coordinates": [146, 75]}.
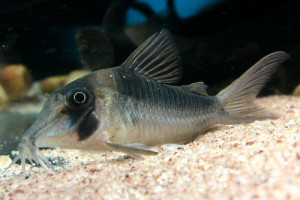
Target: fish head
{"type": "Point", "coordinates": [73, 117]}
{"type": "Point", "coordinates": [70, 116]}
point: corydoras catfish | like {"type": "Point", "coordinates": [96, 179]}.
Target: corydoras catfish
{"type": "Point", "coordinates": [133, 106]}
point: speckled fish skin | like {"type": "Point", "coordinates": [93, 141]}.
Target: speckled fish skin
{"type": "Point", "coordinates": [131, 107]}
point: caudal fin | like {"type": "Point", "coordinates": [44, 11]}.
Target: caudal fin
{"type": "Point", "coordinates": [237, 98]}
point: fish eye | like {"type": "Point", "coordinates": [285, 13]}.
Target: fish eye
{"type": "Point", "coordinates": [78, 97]}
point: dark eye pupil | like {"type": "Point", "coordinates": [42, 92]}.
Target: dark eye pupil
{"type": "Point", "coordinates": [79, 97]}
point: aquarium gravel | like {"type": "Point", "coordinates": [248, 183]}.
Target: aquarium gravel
{"type": "Point", "coordinates": [260, 160]}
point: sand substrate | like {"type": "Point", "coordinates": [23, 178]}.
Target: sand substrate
{"type": "Point", "coordinates": [260, 160]}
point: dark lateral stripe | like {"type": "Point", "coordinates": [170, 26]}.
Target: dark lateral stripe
{"type": "Point", "coordinates": [165, 97]}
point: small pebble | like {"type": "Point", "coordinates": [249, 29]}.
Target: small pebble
{"type": "Point", "coordinates": [296, 91]}
{"type": "Point", "coordinates": [16, 80]}
{"type": "Point", "coordinates": [3, 95]}
{"type": "Point", "coordinates": [52, 83]}
{"type": "Point", "coordinates": [4, 161]}
{"type": "Point", "coordinates": [75, 75]}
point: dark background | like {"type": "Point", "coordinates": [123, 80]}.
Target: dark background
{"type": "Point", "coordinates": [217, 44]}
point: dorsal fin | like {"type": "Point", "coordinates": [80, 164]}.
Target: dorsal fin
{"type": "Point", "coordinates": [157, 58]}
{"type": "Point", "coordinates": [198, 88]}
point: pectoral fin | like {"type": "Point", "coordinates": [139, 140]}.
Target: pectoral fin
{"type": "Point", "coordinates": [131, 149]}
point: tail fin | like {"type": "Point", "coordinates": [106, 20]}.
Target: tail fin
{"type": "Point", "coordinates": [237, 98]}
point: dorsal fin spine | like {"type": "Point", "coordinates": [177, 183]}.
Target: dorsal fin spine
{"type": "Point", "coordinates": [157, 58]}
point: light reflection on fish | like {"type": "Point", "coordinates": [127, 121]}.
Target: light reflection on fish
{"type": "Point", "coordinates": [131, 107]}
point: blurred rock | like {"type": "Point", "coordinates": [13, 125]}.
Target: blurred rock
{"type": "Point", "coordinates": [52, 83]}
{"type": "Point", "coordinates": [296, 91]}
{"type": "Point", "coordinates": [4, 161]}
{"type": "Point", "coordinates": [75, 75]}
{"type": "Point", "coordinates": [3, 96]}
{"type": "Point", "coordinates": [16, 80]}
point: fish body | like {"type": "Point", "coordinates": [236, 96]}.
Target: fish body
{"type": "Point", "coordinates": [133, 106]}
{"type": "Point", "coordinates": [132, 109]}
